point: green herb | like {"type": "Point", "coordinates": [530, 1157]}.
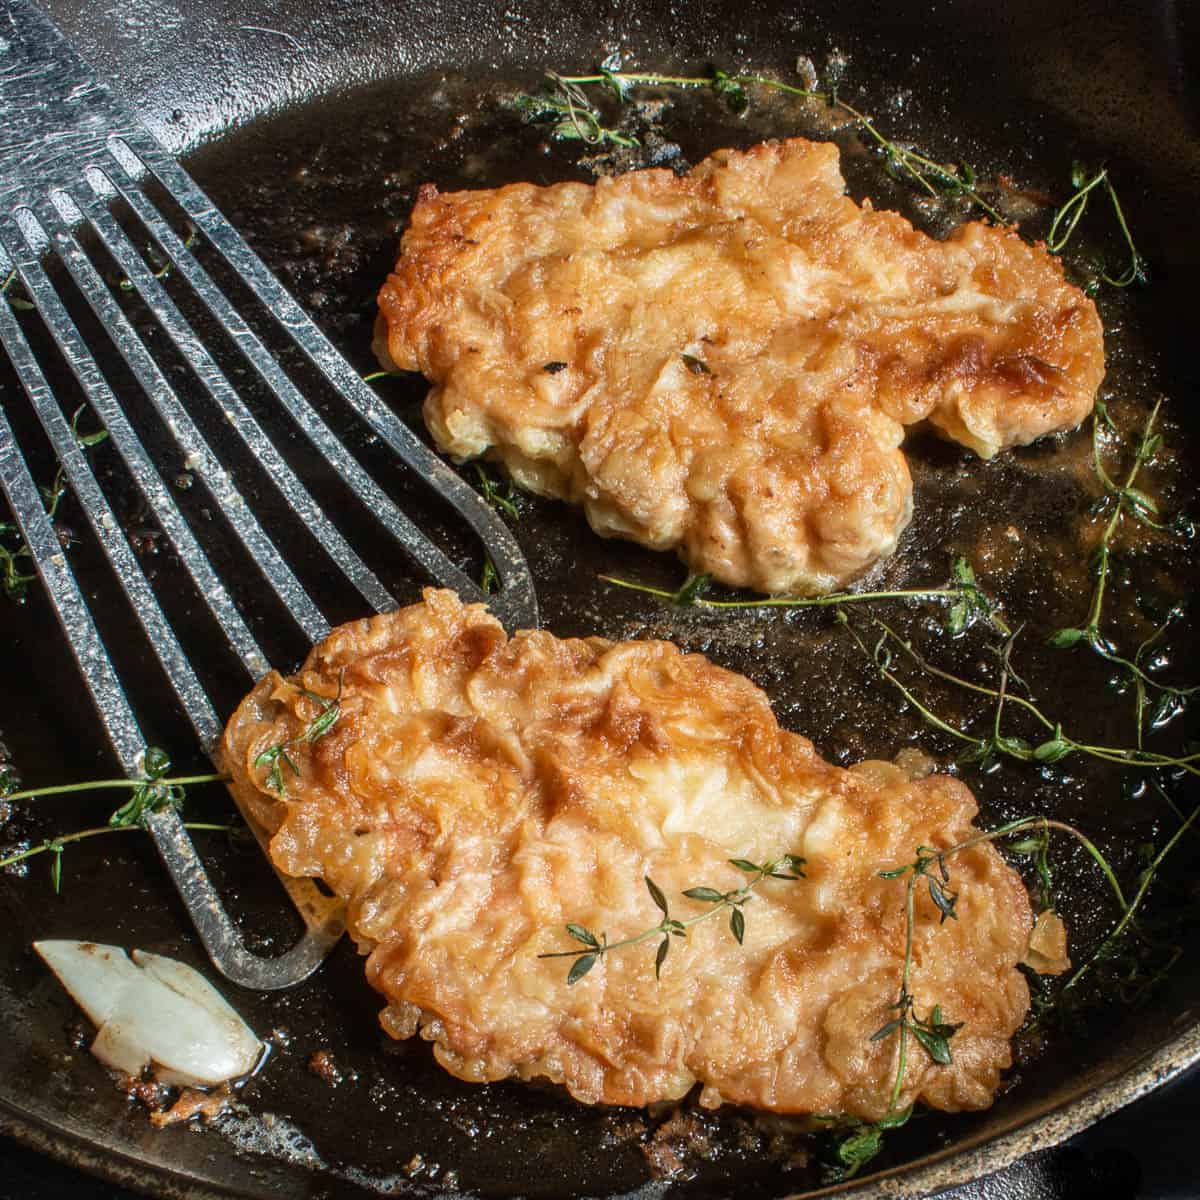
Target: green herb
{"type": "Point", "coordinates": [1068, 216]}
{"type": "Point", "coordinates": [697, 366]}
{"type": "Point", "coordinates": [149, 804]}
{"type": "Point", "coordinates": [985, 750]}
{"type": "Point", "coordinates": [9, 289]}
{"type": "Point", "coordinates": [276, 757]}
{"type": "Point", "coordinates": [567, 107]}
{"type": "Point", "coordinates": [489, 581]}
{"type": "Point", "coordinates": [163, 269]}
{"type": "Point", "coordinates": [787, 866]}
{"type": "Point", "coordinates": [1125, 500]}
{"type": "Point", "coordinates": [154, 792]}
{"type": "Point", "coordinates": [861, 1141]}
{"type": "Point", "coordinates": [1037, 848]}
{"type": "Point", "coordinates": [967, 600]}
{"type": "Point", "coordinates": [932, 1033]}
{"type": "Point", "coordinates": [504, 501]}
{"type": "Point", "coordinates": [57, 845]}
{"type": "Point", "coordinates": [14, 577]}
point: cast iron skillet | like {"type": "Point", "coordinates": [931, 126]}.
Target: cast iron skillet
{"type": "Point", "coordinates": [347, 106]}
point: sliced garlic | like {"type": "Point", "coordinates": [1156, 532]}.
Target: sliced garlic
{"type": "Point", "coordinates": [157, 1013]}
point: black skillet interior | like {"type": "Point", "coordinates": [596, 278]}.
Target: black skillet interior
{"type": "Point", "coordinates": [370, 102]}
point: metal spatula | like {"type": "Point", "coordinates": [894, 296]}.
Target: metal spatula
{"type": "Point", "coordinates": [72, 158]}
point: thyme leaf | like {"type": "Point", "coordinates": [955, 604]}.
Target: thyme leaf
{"type": "Point", "coordinates": [1070, 213]}
{"type": "Point", "coordinates": [786, 867]}
{"type": "Point", "coordinates": [154, 792]}
{"type": "Point", "coordinates": [862, 1142]}
{"type": "Point", "coordinates": [489, 580]}
{"type": "Point", "coordinates": [1125, 500]}
{"type": "Point", "coordinates": [14, 553]}
{"type": "Point", "coordinates": [967, 602]}
{"type": "Point", "coordinates": [276, 757]}
{"type": "Point", "coordinates": [502, 500]}
{"type": "Point", "coordinates": [564, 105]}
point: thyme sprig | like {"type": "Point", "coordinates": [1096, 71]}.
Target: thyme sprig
{"type": "Point", "coordinates": [566, 104]}
{"type": "Point", "coordinates": [967, 601]}
{"type": "Point", "coordinates": [276, 757]}
{"type": "Point", "coordinates": [14, 577]}
{"type": "Point", "coordinates": [1068, 215]}
{"type": "Point", "coordinates": [501, 497]}
{"type": "Point", "coordinates": [573, 117]}
{"type": "Point", "coordinates": [8, 289]}
{"type": "Point", "coordinates": [57, 845]}
{"type": "Point", "coordinates": [930, 867]}
{"type": "Point", "coordinates": [1125, 500]}
{"type": "Point", "coordinates": [1130, 912]}
{"type": "Point", "coordinates": [787, 866]}
{"type": "Point", "coordinates": [1025, 836]}
{"type": "Point", "coordinates": [159, 268]}
{"type": "Point", "coordinates": [996, 744]}
{"type": "Point", "coordinates": [155, 792]}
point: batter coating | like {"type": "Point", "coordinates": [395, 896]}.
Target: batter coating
{"type": "Point", "coordinates": [724, 363]}
{"type": "Point", "coordinates": [476, 793]}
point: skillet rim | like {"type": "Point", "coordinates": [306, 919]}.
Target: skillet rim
{"type": "Point", "coordinates": [963, 1161]}
{"type": "Point", "coordinates": [919, 1179]}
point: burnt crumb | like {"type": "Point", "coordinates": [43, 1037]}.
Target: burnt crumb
{"type": "Point", "coordinates": [144, 535]}
{"type": "Point", "coordinates": [321, 1064]}
{"type": "Point", "coordinates": [193, 1103]}
{"type": "Point", "coordinates": [145, 1091]}
{"type": "Point", "coordinates": [553, 368]}
{"type": "Point", "coordinates": [621, 1129]}
{"type": "Point", "coordinates": [677, 1147]}
{"type": "Point", "coordinates": [653, 150]}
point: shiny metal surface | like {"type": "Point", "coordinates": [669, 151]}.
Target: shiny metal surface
{"type": "Point", "coordinates": [70, 151]}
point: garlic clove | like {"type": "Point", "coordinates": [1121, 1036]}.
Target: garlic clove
{"type": "Point", "coordinates": [157, 1013]}
{"type": "Point", "coordinates": [95, 975]}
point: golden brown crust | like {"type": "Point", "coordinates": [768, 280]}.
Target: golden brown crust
{"type": "Point", "coordinates": [476, 793]}
{"type": "Point", "coordinates": [826, 328]}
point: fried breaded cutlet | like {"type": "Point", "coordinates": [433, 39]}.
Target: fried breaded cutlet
{"type": "Point", "coordinates": [724, 363]}
{"type": "Point", "coordinates": [477, 793]}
